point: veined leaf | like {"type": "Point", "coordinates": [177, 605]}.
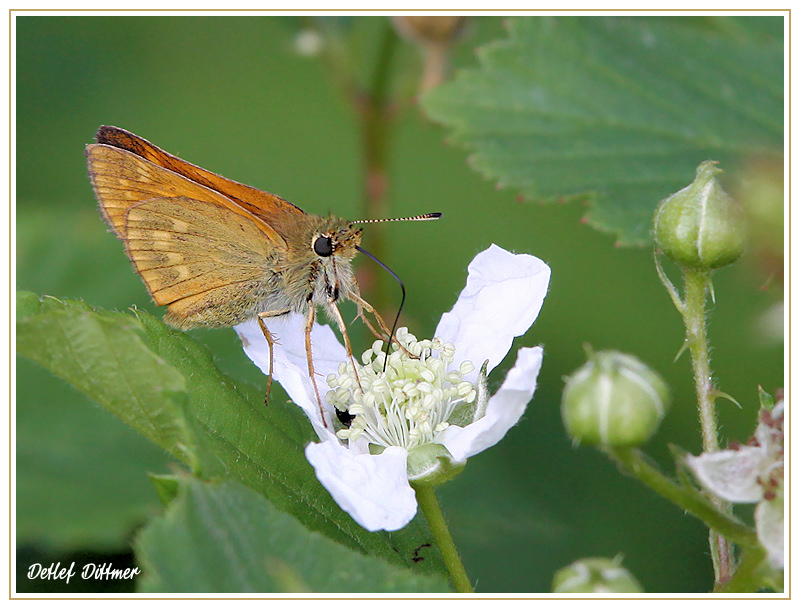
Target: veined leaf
{"type": "Point", "coordinates": [225, 538]}
{"type": "Point", "coordinates": [617, 112]}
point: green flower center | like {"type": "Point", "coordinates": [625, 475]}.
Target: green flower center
{"type": "Point", "coordinates": [406, 401]}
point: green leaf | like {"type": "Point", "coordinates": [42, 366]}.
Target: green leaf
{"type": "Point", "coordinates": [224, 538]}
{"type": "Point", "coordinates": [104, 355]}
{"type": "Point", "coordinates": [615, 112]}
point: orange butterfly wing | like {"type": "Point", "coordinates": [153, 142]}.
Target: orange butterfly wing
{"type": "Point", "coordinates": [273, 210]}
{"type": "Point", "coordinates": [199, 250]}
{"type": "Point", "coordinates": [210, 267]}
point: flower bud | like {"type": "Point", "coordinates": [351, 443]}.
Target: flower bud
{"type": "Point", "coordinates": [434, 36]}
{"type": "Point", "coordinates": [613, 400]}
{"type": "Point", "coordinates": [429, 29]}
{"type": "Point", "coordinates": [595, 575]}
{"type": "Point", "coordinates": [700, 227]}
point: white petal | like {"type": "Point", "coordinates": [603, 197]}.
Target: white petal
{"type": "Point", "coordinates": [373, 489]}
{"type": "Point", "coordinates": [769, 528]}
{"type": "Point", "coordinates": [731, 474]}
{"type": "Point", "coordinates": [290, 360]}
{"type": "Point", "coordinates": [502, 298]}
{"type": "Point", "coordinates": [767, 435]}
{"type": "Point", "coordinates": [504, 410]}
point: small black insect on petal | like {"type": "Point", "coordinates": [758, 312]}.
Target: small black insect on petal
{"type": "Point", "coordinates": [323, 246]}
{"type": "Point", "coordinates": [345, 418]}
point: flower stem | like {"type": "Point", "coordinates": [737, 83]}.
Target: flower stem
{"type": "Point", "coordinates": [375, 108]}
{"type": "Point", "coordinates": [694, 317]}
{"type": "Point", "coordinates": [696, 284]}
{"type": "Point", "coordinates": [429, 504]}
{"type": "Point", "coordinates": [749, 574]}
{"type": "Point", "coordinates": [686, 497]}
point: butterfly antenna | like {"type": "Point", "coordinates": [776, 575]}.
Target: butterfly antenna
{"type": "Point", "coordinates": [431, 216]}
{"type": "Point", "coordinates": [402, 299]}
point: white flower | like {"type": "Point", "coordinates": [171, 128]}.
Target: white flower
{"type": "Point", "coordinates": [752, 473]}
{"type": "Point", "coordinates": [436, 403]}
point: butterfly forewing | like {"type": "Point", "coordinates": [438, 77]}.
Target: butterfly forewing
{"type": "Point", "coordinates": [276, 212]}
{"type": "Point", "coordinates": [122, 179]}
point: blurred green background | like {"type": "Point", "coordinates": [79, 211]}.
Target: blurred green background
{"type": "Point", "coordinates": [233, 95]}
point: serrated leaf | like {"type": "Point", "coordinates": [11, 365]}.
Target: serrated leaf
{"type": "Point", "coordinates": [104, 355]}
{"type": "Point", "coordinates": [617, 112]}
{"type": "Point", "coordinates": [224, 538]}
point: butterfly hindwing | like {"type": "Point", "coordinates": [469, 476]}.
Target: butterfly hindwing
{"type": "Point", "coordinates": [194, 256]}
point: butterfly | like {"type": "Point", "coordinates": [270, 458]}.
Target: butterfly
{"type": "Point", "coordinates": [216, 252]}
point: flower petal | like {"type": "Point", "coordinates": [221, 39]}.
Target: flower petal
{"type": "Point", "coordinates": [502, 298]}
{"type": "Point", "coordinates": [769, 528]}
{"type": "Point", "coordinates": [373, 489]}
{"type": "Point", "coordinates": [290, 360]}
{"type": "Point", "coordinates": [731, 474]}
{"type": "Point", "coordinates": [504, 410]}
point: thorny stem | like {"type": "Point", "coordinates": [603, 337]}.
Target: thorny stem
{"type": "Point", "coordinates": [693, 310]}
{"type": "Point", "coordinates": [429, 505]}
{"type": "Point", "coordinates": [749, 574]}
{"type": "Point", "coordinates": [694, 316]}
{"type": "Point", "coordinates": [693, 501]}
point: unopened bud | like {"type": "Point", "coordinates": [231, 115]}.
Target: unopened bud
{"type": "Point", "coordinates": [613, 400]}
{"type": "Point", "coordinates": [429, 29]}
{"type": "Point", "coordinates": [595, 575]}
{"type": "Point", "coordinates": [700, 227]}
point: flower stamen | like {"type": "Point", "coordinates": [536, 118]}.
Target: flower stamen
{"type": "Point", "coordinates": [407, 404]}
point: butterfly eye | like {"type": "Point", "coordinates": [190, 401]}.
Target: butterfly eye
{"type": "Point", "coordinates": [323, 246]}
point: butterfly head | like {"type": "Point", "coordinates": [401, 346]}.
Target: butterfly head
{"type": "Point", "coordinates": [336, 238]}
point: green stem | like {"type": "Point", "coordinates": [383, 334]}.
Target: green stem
{"type": "Point", "coordinates": [691, 500]}
{"type": "Point", "coordinates": [429, 505]}
{"type": "Point", "coordinates": [694, 317]}
{"type": "Point", "coordinates": [374, 109]}
{"type": "Point", "coordinates": [749, 575]}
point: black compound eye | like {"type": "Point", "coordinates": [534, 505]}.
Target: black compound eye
{"type": "Point", "coordinates": [323, 246]}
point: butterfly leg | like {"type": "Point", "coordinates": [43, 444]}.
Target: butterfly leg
{"type": "Point", "coordinates": [369, 325]}
{"type": "Point", "coordinates": [343, 329]}
{"type": "Point", "coordinates": [361, 303]}
{"type": "Point", "coordinates": [271, 342]}
{"type": "Point", "coordinates": [309, 325]}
